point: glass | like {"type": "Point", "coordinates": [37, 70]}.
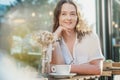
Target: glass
{"type": "Point", "coordinates": [116, 29]}
{"type": "Point", "coordinates": [17, 22]}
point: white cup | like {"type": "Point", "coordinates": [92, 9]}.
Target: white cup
{"type": "Point", "coordinates": [61, 69]}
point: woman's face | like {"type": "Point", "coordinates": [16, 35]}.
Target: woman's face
{"type": "Point", "coordinates": [68, 16]}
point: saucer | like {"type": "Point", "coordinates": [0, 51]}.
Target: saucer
{"type": "Point", "coordinates": [55, 75]}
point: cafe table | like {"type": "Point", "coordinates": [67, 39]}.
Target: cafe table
{"type": "Point", "coordinates": [110, 70]}
{"type": "Point", "coordinates": [113, 67]}
{"type": "Point", "coordinates": [76, 77]}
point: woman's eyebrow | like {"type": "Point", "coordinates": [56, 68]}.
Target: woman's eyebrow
{"type": "Point", "coordinates": [67, 11]}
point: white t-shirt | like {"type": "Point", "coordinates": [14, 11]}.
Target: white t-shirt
{"type": "Point", "coordinates": [86, 50]}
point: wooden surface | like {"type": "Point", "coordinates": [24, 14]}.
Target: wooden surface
{"type": "Point", "coordinates": [116, 68]}
{"type": "Point", "coordinates": [116, 72]}
{"type": "Point", "coordinates": [107, 65]}
{"type": "Point", "coordinates": [79, 77]}
{"type": "Point", "coordinates": [86, 76]}
{"type": "Point", "coordinates": [116, 64]}
{"type": "Point", "coordinates": [106, 69]}
{"type": "Point", "coordinates": [107, 73]}
{"type": "Point", "coordinates": [111, 68]}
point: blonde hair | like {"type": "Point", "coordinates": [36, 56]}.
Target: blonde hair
{"type": "Point", "coordinates": [82, 28]}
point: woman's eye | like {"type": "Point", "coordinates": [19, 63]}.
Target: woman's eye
{"type": "Point", "coordinates": [73, 14]}
{"type": "Point", "coordinates": [63, 14]}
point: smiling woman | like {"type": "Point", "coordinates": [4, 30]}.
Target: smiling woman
{"type": "Point", "coordinates": [76, 39]}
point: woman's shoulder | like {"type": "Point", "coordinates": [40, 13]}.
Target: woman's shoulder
{"type": "Point", "coordinates": [92, 36]}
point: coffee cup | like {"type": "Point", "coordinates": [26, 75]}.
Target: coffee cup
{"type": "Point", "coordinates": [61, 69]}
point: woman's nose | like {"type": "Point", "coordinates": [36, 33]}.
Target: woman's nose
{"type": "Point", "coordinates": [68, 17]}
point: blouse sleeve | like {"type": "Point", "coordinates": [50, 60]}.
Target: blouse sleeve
{"type": "Point", "coordinates": [95, 49]}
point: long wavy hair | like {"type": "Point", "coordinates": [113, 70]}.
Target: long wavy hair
{"type": "Point", "coordinates": [81, 26]}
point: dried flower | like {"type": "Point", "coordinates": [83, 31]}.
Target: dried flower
{"type": "Point", "coordinates": [43, 38]}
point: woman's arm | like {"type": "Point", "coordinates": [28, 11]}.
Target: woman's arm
{"type": "Point", "coordinates": [93, 67]}
{"type": "Point", "coordinates": [57, 57]}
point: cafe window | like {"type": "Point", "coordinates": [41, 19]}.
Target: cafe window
{"type": "Point", "coordinates": [20, 18]}
{"type": "Point", "coordinates": [116, 29]}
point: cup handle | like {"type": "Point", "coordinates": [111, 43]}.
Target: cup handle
{"type": "Point", "coordinates": [53, 69]}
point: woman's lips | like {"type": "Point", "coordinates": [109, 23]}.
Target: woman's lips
{"type": "Point", "coordinates": [68, 23]}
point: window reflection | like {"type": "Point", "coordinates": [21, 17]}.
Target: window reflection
{"type": "Point", "coordinates": [116, 21]}
{"type": "Point", "coordinates": [116, 29]}
{"type": "Point", "coordinates": [18, 19]}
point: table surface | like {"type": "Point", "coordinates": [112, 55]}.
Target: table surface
{"type": "Point", "coordinates": [111, 70]}
{"type": "Point", "coordinates": [81, 77]}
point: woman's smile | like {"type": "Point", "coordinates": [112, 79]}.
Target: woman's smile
{"type": "Point", "coordinates": [68, 23]}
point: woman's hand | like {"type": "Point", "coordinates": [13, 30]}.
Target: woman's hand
{"type": "Point", "coordinates": [60, 30]}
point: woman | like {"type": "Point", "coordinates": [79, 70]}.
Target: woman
{"type": "Point", "coordinates": [77, 44]}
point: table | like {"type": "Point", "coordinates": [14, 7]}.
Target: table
{"type": "Point", "coordinates": [110, 69]}
{"type": "Point", "coordinates": [106, 69]}
{"type": "Point", "coordinates": [115, 68]}
{"type": "Point", "coordinates": [78, 77]}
